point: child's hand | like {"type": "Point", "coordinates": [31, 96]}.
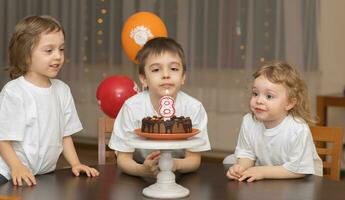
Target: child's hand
{"type": "Point", "coordinates": [151, 163]}
{"type": "Point", "coordinates": [89, 171]}
{"type": "Point", "coordinates": [235, 172]}
{"type": "Point", "coordinates": [252, 174]}
{"type": "Point", "coordinates": [22, 172]}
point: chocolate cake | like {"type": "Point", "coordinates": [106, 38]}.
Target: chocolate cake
{"type": "Point", "coordinates": [173, 125]}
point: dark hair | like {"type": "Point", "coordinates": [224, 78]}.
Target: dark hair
{"type": "Point", "coordinates": [158, 46]}
{"type": "Point", "coordinates": [25, 38]}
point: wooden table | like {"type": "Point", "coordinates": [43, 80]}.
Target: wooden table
{"type": "Point", "coordinates": [209, 182]}
{"type": "Point", "coordinates": [324, 101]}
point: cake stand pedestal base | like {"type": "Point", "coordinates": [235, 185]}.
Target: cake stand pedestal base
{"type": "Point", "coordinates": [166, 187]}
{"type": "Point", "coordinates": [166, 191]}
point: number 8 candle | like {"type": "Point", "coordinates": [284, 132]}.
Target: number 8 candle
{"type": "Point", "coordinates": [166, 106]}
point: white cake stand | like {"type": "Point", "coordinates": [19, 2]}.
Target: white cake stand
{"type": "Point", "coordinates": [165, 187]}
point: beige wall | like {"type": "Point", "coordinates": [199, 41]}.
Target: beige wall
{"type": "Point", "coordinates": [332, 54]}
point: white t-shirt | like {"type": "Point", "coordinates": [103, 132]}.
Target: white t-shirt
{"type": "Point", "coordinates": [139, 106]}
{"type": "Point", "coordinates": [290, 144]}
{"type": "Point", "coordinates": [36, 120]}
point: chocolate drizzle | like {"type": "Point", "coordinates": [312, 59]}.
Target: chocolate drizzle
{"type": "Point", "coordinates": [174, 125]}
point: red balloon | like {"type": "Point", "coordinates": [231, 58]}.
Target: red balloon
{"type": "Point", "coordinates": [113, 91]}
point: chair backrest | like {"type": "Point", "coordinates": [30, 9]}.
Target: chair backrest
{"type": "Point", "coordinates": [105, 128]}
{"type": "Point", "coordinates": [329, 143]}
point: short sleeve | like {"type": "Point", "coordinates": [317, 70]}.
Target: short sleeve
{"type": "Point", "coordinates": [12, 116]}
{"type": "Point", "coordinates": [244, 147]}
{"type": "Point", "coordinates": [301, 153]}
{"type": "Point", "coordinates": [123, 130]}
{"type": "Point", "coordinates": [200, 122]}
{"type": "Point", "coordinates": [71, 119]}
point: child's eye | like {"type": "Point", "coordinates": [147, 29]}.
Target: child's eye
{"type": "Point", "coordinates": [269, 96]}
{"type": "Point", "coordinates": [155, 70]}
{"type": "Point", "coordinates": [48, 50]}
{"type": "Point", "coordinates": [175, 66]}
{"type": "Point", "coordinates": [62, 49]}
{"type": "Point", "coordinates": [255, 94]}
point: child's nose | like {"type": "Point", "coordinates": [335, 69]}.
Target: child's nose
{"type": "Point", "coordinates": [165, 74]}
{"type": "Point", "coordinates": [259, 99]}
{"type": "Point", "coordinates": [58, 55]}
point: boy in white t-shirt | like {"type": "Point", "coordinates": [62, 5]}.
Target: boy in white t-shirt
{"type": "Point", "coordinates": [162, 67]}
{"type": "Point", "coordinates": [275, 141]}
{"type": "Point", "coordinates": [37, 112]}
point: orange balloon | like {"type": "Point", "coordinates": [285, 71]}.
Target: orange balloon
{"type": "Point", "coordinates": [138, 29]}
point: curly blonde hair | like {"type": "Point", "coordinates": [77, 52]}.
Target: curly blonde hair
{"type": "Point", "coordinates": [290, 78]}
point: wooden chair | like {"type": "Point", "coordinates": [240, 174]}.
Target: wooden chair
{"type": "Point", "coordinates": [329, 143]}
{"type": "Point", "coordinates": [2, 197]}
{"type": "Point", "coordinates": [105, 154]}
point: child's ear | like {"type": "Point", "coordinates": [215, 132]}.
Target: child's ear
{"type": "Point", "coordinates": [143, 81]}
{"type": "Point", "coordinates": [292, 102]}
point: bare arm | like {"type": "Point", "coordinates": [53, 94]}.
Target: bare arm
{"type": "Point", "coordinates": [277, 172]}
{"type": "Point", "coordinates": [18, 170]}
{"type": "Point", "coordinates": [129, 166]}
{"type": "Point", "coordinates": [245, 162]}
{"type": "Point", "coordinates": [190, 163]}
{"type": "Point", "coordinates": [8, 154]}
{"type": "Point", "coordinates": [268, 172]}
{"type": "Point", "coordinates": [69, 151]}
{"type": "Point", "coordinates": [71, 156]}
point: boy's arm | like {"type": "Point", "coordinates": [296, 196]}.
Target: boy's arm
{"type": "Point", "coordinates": [269, 172]}
{"type": "Point", "coordinates": [129, 166]}
{"type": "Point", "coordinates": [71, 156]}
{"type": "Point", "coordinates": [190, 163]}
{"type": "Point", "coordinates": [18, 170]}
